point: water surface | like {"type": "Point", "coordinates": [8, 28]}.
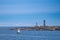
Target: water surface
{"type": "Point", "coordinates": [6, 34]}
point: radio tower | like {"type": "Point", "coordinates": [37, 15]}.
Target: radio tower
{"type": "Point", "coordinates": [36, 24]}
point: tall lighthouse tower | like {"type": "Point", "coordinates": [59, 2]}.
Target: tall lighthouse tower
{"type": "Point", "coordinates": [44, 23]}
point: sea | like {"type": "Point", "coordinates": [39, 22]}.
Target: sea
{"type": "Point", "coordinates": [6, 34]}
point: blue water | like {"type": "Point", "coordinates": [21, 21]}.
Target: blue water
{"type": "Point", "coordinates": [6, 34]}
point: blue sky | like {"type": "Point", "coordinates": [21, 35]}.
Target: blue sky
{"type": "Point", "coordinates": [28, 12]}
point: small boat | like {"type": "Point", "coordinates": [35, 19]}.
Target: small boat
{"type": "Point", "coordinates": [18, 31]}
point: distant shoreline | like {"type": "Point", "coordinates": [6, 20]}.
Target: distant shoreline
{"type": "Point", "coordinates": [51, 28]}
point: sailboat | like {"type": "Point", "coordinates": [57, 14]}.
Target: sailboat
{"type": "Point", "coordinates": [18, 31]}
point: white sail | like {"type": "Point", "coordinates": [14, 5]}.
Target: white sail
{"type": "Point", "coordinates": [18, 30]}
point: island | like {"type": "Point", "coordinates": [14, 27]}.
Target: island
{"type": "Point", "coordinates": [36, 27]}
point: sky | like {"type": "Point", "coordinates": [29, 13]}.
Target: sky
{"type": "Point", "coordinates": [28, 12]}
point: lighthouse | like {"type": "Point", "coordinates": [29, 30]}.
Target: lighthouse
{"type": "Point", "coordinates": [44, 23]}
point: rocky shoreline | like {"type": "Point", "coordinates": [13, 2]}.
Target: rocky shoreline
{"type": "Point", "coordinates": [52, 28]}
